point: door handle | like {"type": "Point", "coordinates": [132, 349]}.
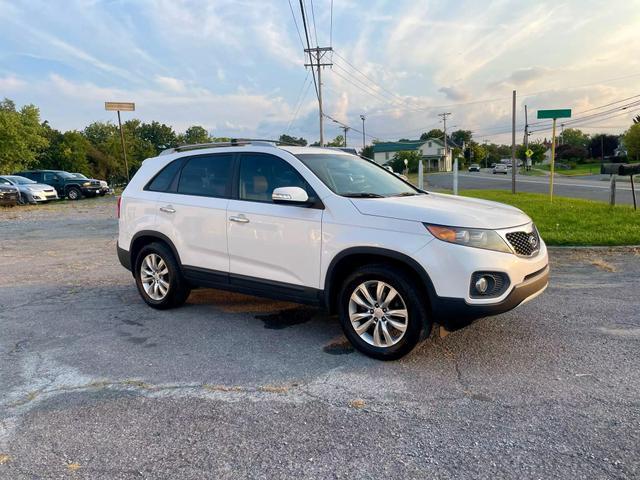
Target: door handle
{"type": "Point", "coordinates": [168, 209]}
{"type": "Point", "coordinates": [239, 219]}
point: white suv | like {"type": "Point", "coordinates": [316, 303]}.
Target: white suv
{"type": "Point", "coordinates": [325, 227]}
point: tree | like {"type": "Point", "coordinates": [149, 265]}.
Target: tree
{"type": "Point", "coordinates": [336, 142]}
{"type": "Point", "coordinates": [571, 153]}
{"type": "Point", "coordinates": [575, 138]}
{"type": "Point", "coordinates": [601, 142]}
{"type": "Point", "coordinates": [22, 137]}
{"type": "Point", "coordinates": [461, 136]}
{"type": "Point", "coordinates": [159, 135]}
{"type": "Point", "coordinates": [433, 133]}
{"type": "Point", "coordinates": [195, 134]}
{"type": "Point", "coordinates": [289, 140]}
{"type": "Point", "coordinates": [538, 150]}
{"type": "Point", "coordinates": [632, 141]}
{"type": "Point", "coordinates": [67, 151]}
{"type": "Point", "coordinates": [367, 152]}
{"type": "Point", "coordinates": [412, 157]}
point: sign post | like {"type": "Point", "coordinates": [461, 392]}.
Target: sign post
{"type": "Point", "coordinates": [118, 107]}
{"type": "Point", "coordinates": [554, 114]}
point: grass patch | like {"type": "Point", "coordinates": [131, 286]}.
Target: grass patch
{"type": "Point", "coordinates": [572, 221]}
{"type": "Point", "coordinates": [580, 169]}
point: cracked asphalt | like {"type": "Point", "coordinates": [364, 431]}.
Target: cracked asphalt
{"type": "Point", "coordinates": [96, 385]}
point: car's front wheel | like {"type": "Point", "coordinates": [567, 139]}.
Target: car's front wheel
{"type": "Point", "coordinates": [159, 279]}
{"type": "Point", "coordinates": [381, 312]}
{"type": "Point", "coordinates": [74, 193]}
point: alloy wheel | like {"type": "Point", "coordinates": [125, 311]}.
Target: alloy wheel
{"type": "Point", "coordinates": [378, 313]}
{"type": "Point", "coordinates": [154, 275]}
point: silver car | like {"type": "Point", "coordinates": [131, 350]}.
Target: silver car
{"type": "Point", "coordinates": [30, 191]}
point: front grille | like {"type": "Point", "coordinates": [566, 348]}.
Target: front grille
{"type": "Point", "coordinates": [524, 243]}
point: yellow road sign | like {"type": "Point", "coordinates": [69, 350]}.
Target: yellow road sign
{"type": "Point", "coordinates": [529, 152]}
{"type": "Point", "coordinates": [120, 106]}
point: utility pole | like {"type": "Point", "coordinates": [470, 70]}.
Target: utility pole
{"type": "Point", "coordinates": [455, 162]}
{"type": "Point", "coordinates": [346, 129]}
{"type": "Point", "coordinates": [526, 140]}
{"type": "Point", "coordinates": [561, 134]}
{"type": "Point", "coordinates": [316, 56]}
{"type": "Point", "coordinates": [513, 144]}
{"type": "Point", "coordinates": [363, 118]}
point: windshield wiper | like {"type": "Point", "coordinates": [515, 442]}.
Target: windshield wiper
{"type": "Point", "coordinates": [363, 195]}
{"type": "Point", "coordinates": [405, 194]}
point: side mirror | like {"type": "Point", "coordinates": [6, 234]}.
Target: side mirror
{"type": "Point", "coordinates": [294, 195]}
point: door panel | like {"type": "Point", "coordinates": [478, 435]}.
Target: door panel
{"type": "Point", "coordinates": [194, 216]}
{"type": "Point", "coordinates": [271, 241]}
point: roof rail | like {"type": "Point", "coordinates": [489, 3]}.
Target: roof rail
{"type": "Point", "coordinates": [234, 142]}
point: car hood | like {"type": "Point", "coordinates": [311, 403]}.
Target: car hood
{"type": "Point", "coordinates": [441, 209]}
{"type": "Point", "coordinates": [40, 187]}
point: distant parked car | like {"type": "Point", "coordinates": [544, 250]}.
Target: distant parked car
{"type": "Point", "coordinates": [9, 195]}
{"type": "Point", "coordinates": [474, 167]}
{"type": "Point", "coordinates": [30, 190]}
{"type": "Point", "coordinates": [500, 168]}
{"type": "Point", "coordinates": [104, 186]}
{"type": "Point", "coordinates": [65, 183]}
{"type": "Point", "coordinates": [493, 164]}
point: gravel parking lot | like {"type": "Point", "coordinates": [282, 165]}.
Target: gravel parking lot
{"type": "Point", "coordinates": [94, 384]}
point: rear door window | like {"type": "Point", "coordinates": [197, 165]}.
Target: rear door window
{"type": "Point", "coordinates": [207, 176]}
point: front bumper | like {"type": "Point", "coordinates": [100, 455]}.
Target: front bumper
{"type": "Point", "coordinates": [43, 196]}
{"type": "Point", "coordinates": [456, 312]}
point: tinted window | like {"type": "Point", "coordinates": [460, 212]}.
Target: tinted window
{"type": "Point", "coordinates": [162, 180]}
{"type": "Point", "coordinates": [48, 176]}
{"type": "Point", "coordinates": [261, 174]}
{"type": "Point", "coordinates": [206, 175]}
{"type": "Point", "coordinates": [4, 181]}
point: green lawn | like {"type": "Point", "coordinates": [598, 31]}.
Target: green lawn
{"type": "Point", "coordinates": [571, 221]}
{"type": "Point", "coordinates": [581, 169]}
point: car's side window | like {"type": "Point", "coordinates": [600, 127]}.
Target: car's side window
{"type": "Point", "coordinates": [4, 181]}
{"type": "Point", "coordinates": [48, 177]}
{"type": "Point", "coordinates": [206, 175]}
{"type": "Point", "coordinates": [163, 180]}
{"type": "Point", "coordinates": [261, 173]}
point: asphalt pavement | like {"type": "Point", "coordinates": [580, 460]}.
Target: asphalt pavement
{"type": "Point", "coordinates": [576, 187]}
{"type": "Point", "coordinates": [94, 384]}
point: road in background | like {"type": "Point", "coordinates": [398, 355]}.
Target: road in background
{"type": "Point", "coordinates": [581, 187]}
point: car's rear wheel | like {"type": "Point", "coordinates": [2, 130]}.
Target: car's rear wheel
{"type": "Point", "coordinates": [74, 193]}
{"type": "Point", "coordinates": [159, 279]}
{"type": "Point", "coordinates": [382, 313]}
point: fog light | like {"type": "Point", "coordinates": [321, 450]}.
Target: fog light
{"type": "Point", "coordinates": [481, 285]}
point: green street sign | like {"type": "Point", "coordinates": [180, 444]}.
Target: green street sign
{"type": "Point", "coordinates": [529, 152]}
{"type": "Point", "coordinates": [558, 113]}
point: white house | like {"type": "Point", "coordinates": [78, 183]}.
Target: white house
{"type": "Point", "coordinates": [431, 150]}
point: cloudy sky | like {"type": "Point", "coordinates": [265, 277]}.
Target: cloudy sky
{"type": "Point", "coordinates": [236, 66]}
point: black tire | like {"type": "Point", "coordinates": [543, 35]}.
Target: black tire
{"type": "Point", "coordinates": [178, 290]}
{"type": "Point", "coordinates": [102, 194]}
{"type": "Point", "coordinates": [418, 323]}
{"type": "Point", "coordinates": [22, 200]}
{"type": "Point", "coordinates": [74, 193]}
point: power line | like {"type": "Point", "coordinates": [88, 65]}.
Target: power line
{"type": "Point", "coordinates": [295, 22]}
{"type": "Point", "coordinates": [361, 87]}
{"type": "Point", "coordinates": [398, 97]}
{"type": "Point", "coordinates": [331, 30]}
{"type": "Point", "coordinates": [300, 100]}
{"type": "Point", "coordinates": [306, 34]}
{"type": "Point", "coordinates": [315, 30]}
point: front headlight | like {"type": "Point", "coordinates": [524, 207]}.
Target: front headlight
{"type": "Point", "coordinates": [470, 237]}
{"type": "Point", "coordinates": [86, 184]}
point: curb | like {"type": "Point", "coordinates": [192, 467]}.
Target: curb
{"type": "Point", "coordinates": [613, 248]}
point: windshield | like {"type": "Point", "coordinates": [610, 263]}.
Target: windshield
{"type": "Point", "coordinates": [352, 176]}
{"type": "Point", "coordinates": [65, 175]}
{"type": "Point", "coordinates": [78, 175]}
{"type": "Point", "coordinates": [20, 180]}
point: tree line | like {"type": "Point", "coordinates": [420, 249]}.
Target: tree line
{"type": "Point", "coordinates": [27, 142]}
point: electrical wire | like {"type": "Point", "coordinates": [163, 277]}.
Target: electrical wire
{"type": "Point", "coordinates": [295, 22]}
{"type": "Point", "coordinates": [306, 34]}
{"type": "Point", "coordinates": [313, 16]}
